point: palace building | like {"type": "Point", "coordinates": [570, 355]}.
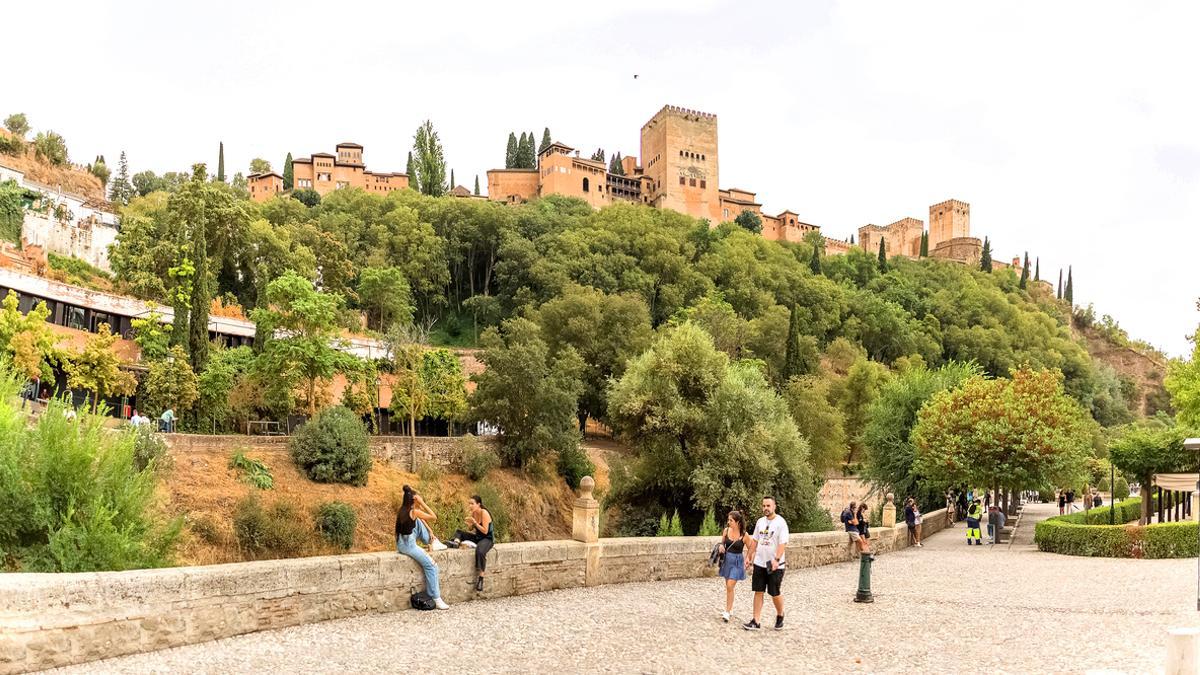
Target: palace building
{"type": "Point", "coordinates": [325, 173]}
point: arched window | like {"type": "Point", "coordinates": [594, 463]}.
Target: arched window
{"type": "Point", "coordinates": [585, 185]}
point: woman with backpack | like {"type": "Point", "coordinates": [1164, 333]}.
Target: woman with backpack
{"type": "Point", "coordinates": [411, 529]}
{"type": "Point", "coordinates": [733, 560]}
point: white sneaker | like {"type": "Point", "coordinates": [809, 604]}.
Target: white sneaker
{"type": "Point", "coordinates": [437, 545]}
{"type": "Point", "coordinates": [468, 544]}
{"type": "Point", "coordinates": [725, 617]}
{"type": "Point", "coordinates": [440, 603]}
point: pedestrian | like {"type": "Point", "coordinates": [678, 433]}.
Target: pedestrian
{"type": "Point", "coordinates": [1062, 501]}
{"type": "Point", "coordinates": [849, 520]}
{"type": "Point", "coordinates": [974, 514]}
{"type": "Point", "coordinates": [1097, 501]}
{"type": "Point", "coordinates": [949, 511]}
{"type": "Point", "coordinates": [166, 421]}
{"type": "Point", "coordinates": [480, 534]}
{"type": "Point", "coordinates": [993, 524]}
{"type": "Point", "coordinates": [1070, 500]}
{"type": "Point", "coordinates": [768, 551]}
{"type": "Point", "coordinates": [910, 520]}
{"type": "Point", "coordinates": [962, 504]}
{"type": "Point", "coordinates": [864, 528]}
{"type": "Point", "coordinates": [411, 528]}
{"type": "Point", "coordinates": [733, 559]}
{"type": "Point", "coordinates": [918, 522]}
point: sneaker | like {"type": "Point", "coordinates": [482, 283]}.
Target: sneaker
{"type": "Point", "coordinates": [467, 544]}
{"type": "Point", "coordinates": [453, 543]}
{"type": "Point", "coordinates": [440, 603]}
{"type": "Point", "coordinates": [479, 584]}
{"type": "Point", "coordinates": [920, 545]}
{"type": "Point", "coordinates": [978, 542]}
{"type": "Point", "coordinates": [725, 617]}
{"type": "Point", "coordinates": [751, 625]}
{"type": "Point", "coordinates": [779, 622]}
{"type": "Point", "coordinates": [437, 546]}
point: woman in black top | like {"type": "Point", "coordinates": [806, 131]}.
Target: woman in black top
{"type": "Point", "coordinates": [733, 561]}
{"type": "Point", "coordinates": [479, 534]}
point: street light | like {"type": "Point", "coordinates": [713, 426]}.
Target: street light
{"type": "Point", "coordinates": [1193, 444]}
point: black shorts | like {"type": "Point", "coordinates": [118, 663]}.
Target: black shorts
{"type": "Point", "coordinates": [765, 580]}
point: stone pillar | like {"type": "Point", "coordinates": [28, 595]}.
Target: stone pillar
{"type": "Point", "coordinates": [889, 511]}
{"type": "Point", "coordinates": [585, 519]}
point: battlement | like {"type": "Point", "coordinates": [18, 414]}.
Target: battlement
{"type": "Point", "coordinates": [951, 203]}
{"type": "Point", "coordinates": [677, 110]}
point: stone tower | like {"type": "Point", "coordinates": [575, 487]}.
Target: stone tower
{"type": "Point", "coordinates": [948, 220]}
{"type": "Point", "coordinates": [679, 155]}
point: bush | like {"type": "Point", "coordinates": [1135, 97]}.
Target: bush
{"type": "Point", "coordinates": [333, 448]}
{"type": "Point", "coordinates": [336, 522]}
{"type": "Point", "coordinates": [494, 502]}
{"type": "Point", "coordinates": [1109, 541]}
{"type": "Point", "coordinates": [11, 145]}
{"type": "Point", "coordinates": [709, 527]}
{"type": "Point", "coordinates": [252, 471]}
{"type": "Point", "coordinates": [428, 472]}
{"type": "Point", "coordinates": [671, 527]}
{"type": "Point", "coordinates": [1104, 486]}
{"type": "Point", "coordinates": [1170, 540]}
{"type": "Point", "coordinates": [1088, 534]}
{"type": "Point", "coordinates": [1046, 496]}
{"type": "Point", "coordinates": [149, 450]}
{"type": "Point", "coordinates": [573, 465]}
{"type": "Point", "coordinates": [478, 463]}
{"type": "Point", "coordinates": [1121, 489]}
{"type": "Point", "coordinates": [269, 533]}
{"type": "Point", "coordinates": [204, 527]}
{"type": "Point", "coordinates": [72, 498]}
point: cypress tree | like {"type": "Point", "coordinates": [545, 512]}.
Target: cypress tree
{"type": "Point", "coordinates": [476, 185]}
{"type": "Point", "coordinates": [452, 183]}
{"type": "Point", "coordinates": [882, 256]}
{"type": "Point", "coordinates": [985, 258]}
{"type": "Point", "coordinates": [289, 173]}
{"type": "Point", "coordinates": [792, 363]}
{"type": "Point", "coordinates": [1058, 293]}
{"type": "Point", "coordinates": [545, 140]}
{"type": "Point", "coordinates": [1037, 270]}
{"type": "Point", "coordinates": [510, 154]}
{"type": "Point", "coordinates": [1069, 291]}
{"type": "Point", "coordinates": [924, 245]}
{"type": "Point", "coordinates": [851, 237]}
{"type": "Point", "coordinates": [411, 170]}
{"type": "Point", "coordinates": [221, 163]}
{"type": "Point", "coordinates": [1025, 273]}
{"type": "Point", "coordinates": [531, 157]}
{"type": "Point", "coordinates": [814, 263]}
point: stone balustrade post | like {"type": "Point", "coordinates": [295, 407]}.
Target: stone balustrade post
{"type": "Point", "coordinates": [889, 511]}
{"type": "Point", "coordinates": [585, 518]}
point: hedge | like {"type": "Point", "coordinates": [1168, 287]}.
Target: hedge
{"type": "Point", "coordinates": [1088, 534]}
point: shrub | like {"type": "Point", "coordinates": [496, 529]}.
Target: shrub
{"type": "Point", "coordinates": [149, 450]}
{"type": "Point", "coordinates": [1170, 540]}
{"type": "Point", "coordinates": [1121, 489]}
{"type": "Point", "coordinates": [480, 463]}
{"type": "Point", "coordinates": [72, 498]}
{"type": "Point", "coordinates": [1046, 496]}
{"type": "Point", "coordinates": [252, 471]}
{"type": "Point", "coordinates": [1057, 536]}
{"type": "Point", "coordinates": [1088, 534]}
{"type": "Point", "coordinates": [494, 503]}
{"type": "Point", "coordinates": [1104, 486]}
{"type": "Point", "coordinates": [670, 527]}
{"type": "Point", "coordinates": [333, 448]}
{"type": "Point", "coordinates": [11, 145]}
{"type": "Point", "coordinates": [709, 527]}
{"type": "Point", "coordinates": [336, 522]}
{"type": "Point", "coordinates": [573, 465]}
{"type": "Point", "coordinates": [276, 532]}
{"type": "Point", "coordinates": [204, 527]}
{"type": "Point", "coordinates": [429, 472]}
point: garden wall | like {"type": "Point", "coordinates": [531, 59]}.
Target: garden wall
{"type": "Point", "coordinates": [441, 451]}
{"type": "Point", "coordinates": [49, 620]}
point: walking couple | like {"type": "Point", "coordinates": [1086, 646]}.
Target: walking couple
{"type": "Point", "coordinates": [766, 556]}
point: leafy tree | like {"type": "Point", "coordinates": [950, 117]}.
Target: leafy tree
{"type": "Point", "coordinates": [709, 433]}
{"type": "Point", "coordinates": [801, 357]}
{"type": "Point", "coordinates": [1149, 447]}
{"type": "Point", "coordinates": [226, 389]}
{"type": "Point", "coordinates": [12, 210]}
{"type": "Point", "coordinates": [120, 192]}
{"type": "Point", "coordinates": [27, 341]}
{"type": "Point", "coordinates": [430, 161]}
{"type": "Point", "coordinates": [1024, 283]}
{"type": "Point", "coordinates": [239, 184]}
{"type": "Point", "coordinates": [50, 147]}
{"type": "Point", "coordinates": [305, 350]}
{"type": "Point", "coordinates": [289, 172]}
{"type": "Point", "coordinates": [445, 385]}
{"type": "Point", "coordinates": [817, 420]}
{"type": "Point", "coordinates": [604, 330]}
{"type": "Point", "coordinates": [1183, 383]}
{"type": "Point", "coordinates": [1069, 291]}
{"type": "Point", "coordinates": [476, 185]}
{"type": "Point", "coordinates": [171, 383]}
{"type": "Point", "coordinates": [750, 221]}
{"type": "Point", "coordinates": [528, 394]}
{"type": "Point", "coordinates": [854, 395]}
{"type": "Point", "coordinates": [985, 258]}
{"type": "Point", "coordinates": [221, 163]}
{"type": "Point", "coordinates": [510, 154]}
{"type": "Point", "coordinates": [98, 368]}
{"type": "Point", "coordinates": [307, 196]}
{"type": "Point", "coordinates": [890, 453]}
{"type": "Point", "coordinates": [883, 267]}
{"type": "Point", "coordinates": [385, 294]}
{"type": "Point", "coordinates": [100, 170]}
{"type": "Point", "coordinates": [546, 140]}
{"type": "Point", "coordinates": [410, 396]}
{"type": "Point", "coordinates": [152, 336]}
{"type": "Point", "coordinates": [145, 182]}
{"type": "Point", "coordinates": [259, 165]}
{"type": "Point", "coordinates": [17, 125]}
{"type": "Point", "coordinates": [814, 263]}
{"type": "Point", "coordinates": [598, 155]}
{"type": "Point", "coordinates": [1019, 433]}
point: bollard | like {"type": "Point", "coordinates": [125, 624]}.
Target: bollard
{"type": "Point", "coordinates": [864, 580]}
{"type": "Point", "coordinates": [1181, 651]}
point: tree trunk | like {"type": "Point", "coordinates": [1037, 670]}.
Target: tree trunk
{"type": "Point", "coordinates": [412, 438]}
{"type": "Point", "coordinates": [1147, 502]}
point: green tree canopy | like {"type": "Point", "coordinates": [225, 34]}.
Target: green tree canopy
{"type": "Point", "coordinates": [385, 294]}
{"type": "Point", "coordinates": [430, 161]}
{"type": "Point", "coordinates": [171, 383]}
{"type": "Point", "coordinates": [17, 124]}
{"type": "Point", "coordinates": [27, 340]}
{"type": "Point", "coordinates": [97, 368]}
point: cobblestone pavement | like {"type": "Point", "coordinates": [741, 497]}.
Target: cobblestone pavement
{"type": "Point", "coordinates": [946, 607]}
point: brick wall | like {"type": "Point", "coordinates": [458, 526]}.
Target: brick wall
{"type": "Point", "coordinates": [49, 620]}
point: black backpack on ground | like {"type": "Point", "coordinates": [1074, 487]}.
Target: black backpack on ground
{"type": "Point", "coordinates": [421, 600]}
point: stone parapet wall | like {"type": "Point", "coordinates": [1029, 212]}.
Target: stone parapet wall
{"type": "Point", "coordinates": [441, 451]}
{"type": "Point", "coordinates": [49, 620]}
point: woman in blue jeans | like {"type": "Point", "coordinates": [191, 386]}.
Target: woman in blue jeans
{"type": "Point", "coordinates": [410, 531]}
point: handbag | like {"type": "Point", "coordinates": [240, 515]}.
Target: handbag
{"type": "Point", "coordinates": [421, 600]}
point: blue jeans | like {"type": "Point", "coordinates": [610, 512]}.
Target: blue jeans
{"type": "Point", "coordinates": [407, 545]}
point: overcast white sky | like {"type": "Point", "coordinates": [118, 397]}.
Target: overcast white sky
{"type": "Point", "coordinates": [1070, 128]}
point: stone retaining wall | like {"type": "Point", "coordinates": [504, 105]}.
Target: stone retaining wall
{"type": "Point", "coordinates": [49, 620]}
{"type": "Point", "coordinates": [441, 451]}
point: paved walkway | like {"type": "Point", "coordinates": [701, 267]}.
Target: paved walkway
{"type": "Point", "coordinates": [944, 608]}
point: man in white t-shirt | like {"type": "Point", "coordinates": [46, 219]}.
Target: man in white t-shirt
{"type": "Point", "coordinates": [767, 553]}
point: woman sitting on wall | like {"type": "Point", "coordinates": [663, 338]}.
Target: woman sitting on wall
{"type": "Point", "coordinates": [411, 529]}
{"type": "Point", "coordinates": [479, 534]}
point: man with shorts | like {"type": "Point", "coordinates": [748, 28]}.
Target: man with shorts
{"type": "Point", "coordinates": [767, 551]}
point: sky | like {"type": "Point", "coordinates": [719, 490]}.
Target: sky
{"type": "Point", "coordinates": [1069, 127]}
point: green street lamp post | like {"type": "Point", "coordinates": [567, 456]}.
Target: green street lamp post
{"type": "Point", "coordinates": [864, 580]}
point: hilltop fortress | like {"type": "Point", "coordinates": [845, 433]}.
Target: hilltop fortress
{"type": "Point", "coordinates": [680, 170]}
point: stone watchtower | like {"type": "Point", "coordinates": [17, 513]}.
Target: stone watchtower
{"type": "Point", "coordinates": [679, 155]}
{"type": "Point", "coordinates": [950, 219]}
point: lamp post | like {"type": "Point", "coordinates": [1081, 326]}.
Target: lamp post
{"type": "Point", "coordinates": [1193, 444]}
{"type": "Point", "coordinates": [378, 407]}
{"type": "Point", "coordinates": [1112, 494]}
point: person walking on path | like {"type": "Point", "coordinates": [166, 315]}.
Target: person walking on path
{"type": "Point", "coordinates": [1070, 500]}
{"type": "Point", "coordinates": [410, 530]}
{"type": "Point", "coordinates": [733, 559]}
{"type": "Point", "coordinates": [963, 504]}
{"type": "Point", "coordinates": [974, 513]}
{"type": "Point", "coordinates": [1062, 501]}
{"type": "Point", "coordinates": [768, 550]}
{"type": "Point", "coordinates": [995, 524]}
{"type": "Point", "coordinates": [479, 534]}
